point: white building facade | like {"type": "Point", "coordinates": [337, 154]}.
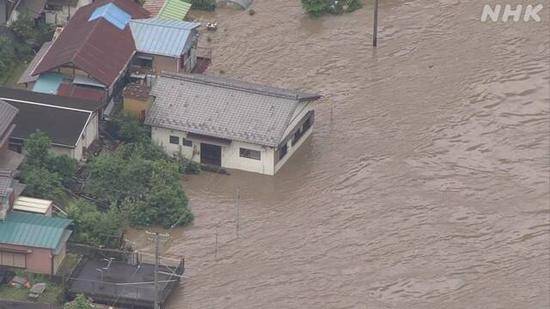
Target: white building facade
{"type": "Point", "coordinates": [239, 126]}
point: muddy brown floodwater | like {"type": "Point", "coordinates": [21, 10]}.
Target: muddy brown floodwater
{"type": "Point", "coordinates": [424, 185]}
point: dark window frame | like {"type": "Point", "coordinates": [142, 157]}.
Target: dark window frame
{"type": "Point", "coordinates": [186, 142]}
{"type": "Point", "coordinates": [250, 154]}
{"type": "Point", "coordinates": [174, 140]}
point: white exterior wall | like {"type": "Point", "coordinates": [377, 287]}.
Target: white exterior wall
{"type": "Point", "coordinates": [89, 135]}
{"type": "Point", "coordinates": [300, 112]}
{"type": "Point", "coordinates": [230, 154]}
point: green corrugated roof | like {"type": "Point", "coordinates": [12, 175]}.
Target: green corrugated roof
{"type": "Point", "coordinates": [32, 230]}
{"type": "Point", "coordinates": [174, 10]}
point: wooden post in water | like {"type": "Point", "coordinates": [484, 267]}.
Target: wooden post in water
{"type": "Point", "coordinates": [375, 30]}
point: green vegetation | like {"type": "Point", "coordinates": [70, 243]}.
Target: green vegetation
{"type": "Point", "coordinates": [43, 172]}
{"type": "Point", "coordinates": [16, 49]}
{"type": "Point", "coordinates": [143, 183]}
{"type": "Point", "coordinates": [207, 5]}
{"type": "Point", "coordinates": [26, 28]}
{"type": "Point", "coordinates": [320, 7]}
{"type": "Point", "coordinates": [52, 295]}
{"type": "Point", "coordinates": [80, 302]}
{"type": "Point", "coordinates": [94, 227]}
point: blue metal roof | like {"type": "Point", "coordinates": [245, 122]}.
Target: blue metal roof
{"type": "Point", "coordinates": [48, 83]}
{"type": "Point", "coordinates": [162, 37]}
{"type": "Point", "coordinates": [113, 14]}
{"type": "Point", "coordinates": [33, 230]}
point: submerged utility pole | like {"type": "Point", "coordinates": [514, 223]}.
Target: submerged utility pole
{"type": "Point", "coordinates": [156, 237]}
{"type": "Point", "coordinates": [237, 213]}
{"type": "Point", "coordinates": [375, 30]}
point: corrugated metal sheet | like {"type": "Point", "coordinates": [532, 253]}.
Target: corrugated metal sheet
{"type": "Point", "coordinates": [34, 205]}
{"type": "Point", "coordinates": [162, 37]}
{"type": "Point", "coordinates": [32, 230]}
{"type": "Point", "coordinates": [97, 47]}
{"type": "Point", "coordinates": [174, 10]}
{"type": "Point", "coordinates": [113, 14]}
{"type": "Point", "coordinates": [48, 83]}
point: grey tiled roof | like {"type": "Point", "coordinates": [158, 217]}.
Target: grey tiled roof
{"type": "Point", "coordinates": [7, 114]}
{"type": "Point", "coordinates": [223, 108]}
{"type": "Point", "coordinates": [6, 181]}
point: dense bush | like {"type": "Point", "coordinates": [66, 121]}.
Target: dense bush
{"type": "Point", "coordinates": [43, 172]}
{"type": "Point", "coordinates": [143, 182]}
{"type": "Point", "coordinates": [320, 7]}
{"type": "Point", "coordinates": [93, 227]}
{"type": "Point", "coordinates": [80, 302]}
{"type": "Point", "coordinates": [208, 5]}
{"type": "Point", "coordinates": [26, 28]}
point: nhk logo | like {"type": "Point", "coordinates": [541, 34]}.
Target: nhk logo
{"type": "Point", "coordinates": [508, 13]}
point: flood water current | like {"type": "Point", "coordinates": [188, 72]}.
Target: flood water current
{"type": "Point", "coordinates": [424, 185]}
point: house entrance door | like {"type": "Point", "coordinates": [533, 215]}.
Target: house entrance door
{"type": "Point", "coordinates": [211, 154]}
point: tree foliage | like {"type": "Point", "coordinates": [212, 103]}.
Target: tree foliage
{"type": "Point", "coordinates": [94, 227]}
{"type": "Point", "coordinates": [320, 7]}
{"type": "Point", "coordinates": [142, 182]}
{"type": "Point", "coordinates": [28, 29]}
{"type": "Point", "coordinates": [43, 172]}
{"type": "Point", "coordinates": [80, 302]}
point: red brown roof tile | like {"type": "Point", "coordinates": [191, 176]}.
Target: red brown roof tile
{"type": "Point", "coordinates": [97, 47]}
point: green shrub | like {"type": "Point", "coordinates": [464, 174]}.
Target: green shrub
{"type": "Point", "coordinates": [142, 182]}
{"type": "Point", "coordinates": [94, 227]}
{"type": "Point", "coordinates": [41, 183]}
{"type": "Point", "coordinates": [43, 172]}
{"type": "Point", "coordinates": [320, 7]}
{"type": "Point", "coordinates": [207, 5]}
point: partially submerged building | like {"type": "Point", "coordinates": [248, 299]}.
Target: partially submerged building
{"type": "Point", "coordinates": [72, 124]}
{"type": "Point", "coordinates": [93, 51]}
{"type": "Point", "coordinates": [165, 45]}
{"type": "Point", "coordinates": [228, 123]}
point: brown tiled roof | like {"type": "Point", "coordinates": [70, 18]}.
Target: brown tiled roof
{"type": "Point", "coordinates": [96, 47]}
{"type": "Point", "coordinates": [83, 92]}
{"type": "Point", "coordinates": [27, 76]}
{"type": "Point", "coordinates": [153, 6]}
{"type": "Point", "coordinates": [136, 91]}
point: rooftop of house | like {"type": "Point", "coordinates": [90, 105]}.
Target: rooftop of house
{"type": "Point", "coordinates": [27, 76]}
{"type": "Point", "coordinates": [168, 9]}
{"type": "Point", "coordinates": [6, 182]}
{"type": "Point", "coordinates": [62, 118]}
{"type": "Point", "coordinates": [162, 37]}
{"type": "Point", "coordinates": [33, 230]}
{"type": "Point", "coordinates": [7, 116]}
{"type": "Point", "coordinates": [12, 94]}
{"type": "Point", "coordinates": [224, 108]}
{"type": "Point", "coordinates": [96, 40]}
{"type": "Point", "coordinates": [136, 91]}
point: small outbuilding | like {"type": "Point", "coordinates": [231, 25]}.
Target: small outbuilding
{"type": "Point", "coordinates": [33, 242]}
{"type": "Point", "coordinates": [229, 123]}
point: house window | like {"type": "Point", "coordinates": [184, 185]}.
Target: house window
{"type": "Point", "coordinates": [13, 259]}
{"type": "Point", "coordinates": [307, 123]}
{"type": "Point", "coordinates": [297, 135]}
{"type": "Point", "coordinates": [283, 151]}
{"type": "Point", "coordinates": [144, 62]}
{"type": "Point", "coordinates": [186, 142]}
{"type": "Point", "coordinates": [174, 140]}
{"type": "Point", "coordinates": [250, 154]}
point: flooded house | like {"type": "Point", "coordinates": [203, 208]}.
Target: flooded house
{"type": "Point", "coordinates": [91, 55]}
{"type": "Point", "coordinates": [72, 124]}
{"type": "Point", "coordinates": [229, 123]}
{"type": "Point", "coordinates": [165, 45]}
